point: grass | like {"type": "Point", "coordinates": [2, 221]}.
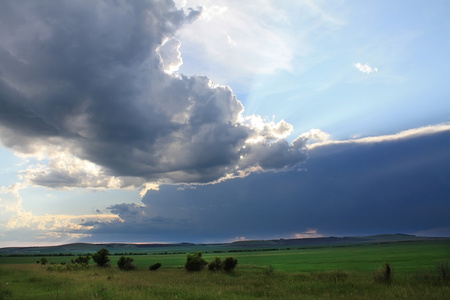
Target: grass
{"type": "Point", "coordinates": [405, 257]}
{"type": "Point", "coordinates": [36, 282]}
{"type": "Point", "coordinates": [323, 273]}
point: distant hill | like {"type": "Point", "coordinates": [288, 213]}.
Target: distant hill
{"type": "Point", "coordinates": [330, 241]}
{"type": "Point", "coordinates": [248, 245]}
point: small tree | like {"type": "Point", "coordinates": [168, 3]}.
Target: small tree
{"type": "Point", "coordinates": [43, 261]}
{"type": "Point", "coordinates": [195, 262]}
{"type": "Point", "coordinates": [101, 257]}
{"type": "Point", "coordinates": [126, 263]}
{"type": "Point", "coordinates": [229, 264]}
{"type": "Point", "coordinates": [155, 267]}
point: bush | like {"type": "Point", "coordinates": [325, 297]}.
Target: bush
{"type": "Point", "coordinates": [81, 259]}
{"type": "Point", "coordinates": [215, 265]}
{"type": "Point", "coordinates": [65, 267]}
{"type": "Point", "coordinates": [155, 267]}
{"type": "Point", "coordinates": [384, 275]}
{"type": "Point", "coordinates": [76, 266]}
{"type": "Point", "coordinates": [56, 268]}
{"type": "Point", "coordinates": [101, 257]}
{"type": "Point", "coordinates": [126, 263]}
{"type": "Point", "coordinates": [229, 264]}
{"type": "Point", "coordinates": [43, 261]}
{"type": "Point", "coordinates": [195, 262]}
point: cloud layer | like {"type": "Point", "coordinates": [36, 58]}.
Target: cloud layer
{"type": "Point", "coordinates": [358, 187]}
{"type": "Point", "coordinates": [355, 188]}
{"type": "Point", "coordinates": [19, 225]}
{"type": "Point", "coordinates": [91, 88]}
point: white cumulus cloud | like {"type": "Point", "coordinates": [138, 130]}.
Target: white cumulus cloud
{"type": "Point", "coordinates": [96, 96]}
{"type": "Point", "coordinates": [365, 68]}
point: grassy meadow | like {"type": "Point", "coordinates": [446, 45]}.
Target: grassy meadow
{"type": "Point", "coordinates": [321, 273]}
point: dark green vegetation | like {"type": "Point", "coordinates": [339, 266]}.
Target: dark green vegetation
{"type": "Point", "coordinates": [227, 265]}
{"type": "Point", "coordinates": [81, 259]}
{"type": "Point", "coordinates": [417, 270]}
{"type": "Point", "coordinates": [195, 262]}
{"type": "Point", "coordinates": [155, 266]}
{"type": "Point", "coordinates": [126, 263]}
{"type": "Point", "coordinates": [101, 257]}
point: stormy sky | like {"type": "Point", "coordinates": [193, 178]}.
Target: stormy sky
{"type": "Point", "coordinates": [206, 121]}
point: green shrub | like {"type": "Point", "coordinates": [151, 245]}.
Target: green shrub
{"type": "Point", "coordinates": [195, 262]}
{"type": "Point", "coordinates": [101, 257]}
{"type": "Point", "coordinates": [76, 266]}
{"type": "Point", "coordinates": [43, 261]}
{"type": "Point", "coordinates": [155, 267]}
{"type": "Point", "coordinates": [81, 259]}
{"type": "Point", "coordinates": [65, 267]}
{"type": "Point", "coordinates": [215, 265]}
{"type": "Point", "coordinates": [384, 275]}
{"type": "Point", "coordinates": [229, 264]}
{"type": "Point", "coordinates": [126, 263]}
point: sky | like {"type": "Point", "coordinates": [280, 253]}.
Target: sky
{"type": "Point", "coordinates": [215, 121]}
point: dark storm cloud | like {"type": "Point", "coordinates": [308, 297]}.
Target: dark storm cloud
{"type": "Point", "coordinates": [87, 78]}
{"type": "Point", "coordinates": [348, 189]}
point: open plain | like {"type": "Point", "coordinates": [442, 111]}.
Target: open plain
{"type": "Point", "coordinates": [419, 271]}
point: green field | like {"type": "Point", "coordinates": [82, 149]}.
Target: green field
{"type": "Point", "coordinates": [313, 273]}
{"type": "Point", "coordinates": [405, 257]}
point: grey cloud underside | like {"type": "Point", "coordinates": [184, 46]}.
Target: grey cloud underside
{"type": "Point", "coordinates": [348, 189]}
{"type": "Point", "coordinates": [86, 76]}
